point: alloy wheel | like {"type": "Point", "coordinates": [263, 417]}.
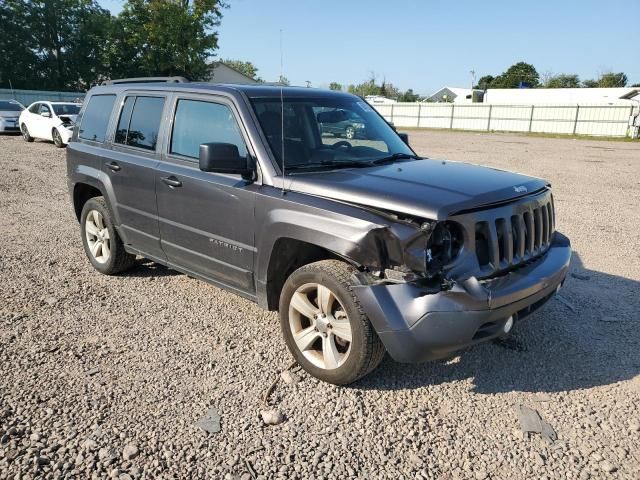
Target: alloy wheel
{"type": "Point", "coordinates": [320, 326]}
{"type": "Point", "coordinates": [98, 237]}
{"type": "Point", "coordinates": [350, 133]}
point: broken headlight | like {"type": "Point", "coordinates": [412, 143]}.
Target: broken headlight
{"type": "Point", "coordinates": [444, 245]}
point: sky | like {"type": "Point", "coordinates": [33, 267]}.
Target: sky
{"type": "Point", "coordinates": [428, 44]}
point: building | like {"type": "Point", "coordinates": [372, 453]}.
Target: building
{"type": "Point", "coordinates": [562, 96]}
{"type": "Point", "coordinates": [222, 73]}
{"type": "Point", "coordinates": [455, 95]}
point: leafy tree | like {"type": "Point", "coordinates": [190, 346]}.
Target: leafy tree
{"type": "Point", "coordinates": [590, 83]}
{"type": "Point", "coordinates": [563, 81]}
{"type": "Point", "coordinates": [609, 80]}
{"type": "Point", "coordinates": [408, 96]}
{"type": "Point", "coordinates": [484, 82]}
{"type": "Point", "coordinates": [53, 44]}
{"type": "Point", "coordinates": [165, 37]}
{"type": "Point", "coordinates": [335, 86]}
{"type": "Point", "coordinates": [246, 68]}
{"type": "Point", "coordinates": [518, 74]}
{"type": "Point", "coordinates": [284, 80]}
{"type": "Point", "coordinates": [636, 85]}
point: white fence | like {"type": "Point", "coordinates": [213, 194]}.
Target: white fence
{"type": "Point", "coordinates": [607, 120]}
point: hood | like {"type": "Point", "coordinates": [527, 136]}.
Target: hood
{"type": "Point", "coordinates": [68, 118]}
{"type": "Point", "coordinates": [9, 114]}
{"type": "Point", "coordinates": [433, 189]}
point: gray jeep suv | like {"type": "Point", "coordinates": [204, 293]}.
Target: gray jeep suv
{"type": "Point", "coordinates": [361, 245]}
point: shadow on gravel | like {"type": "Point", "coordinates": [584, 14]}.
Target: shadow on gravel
{"type": "Point", "coordinates": [148, 268]}
{"type": "Point", "coordinates": [587, 339]}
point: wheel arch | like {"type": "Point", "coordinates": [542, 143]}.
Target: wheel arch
{"type": "Point", "coordinates": [82, 192]}
{"type": "Point", "coordinates": [289, 254]}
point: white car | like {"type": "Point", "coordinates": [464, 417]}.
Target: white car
{"type": "Point", "coordinates": [49, 121]}
{"type": "Point", "coordinates": [9, 113]}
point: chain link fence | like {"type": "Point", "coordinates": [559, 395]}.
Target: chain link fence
{"type": "Point", "coordinates": [595, 119]}
{"type": "Point", "coordinates": [27, 97]}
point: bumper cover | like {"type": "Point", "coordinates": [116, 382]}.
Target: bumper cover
{"type": "Point", "coordinates": [416, 324]}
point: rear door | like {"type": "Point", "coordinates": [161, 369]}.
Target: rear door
{"type": "Point", "coordinates": [206, 219]}
{"type": "Point", "coordinates": [131, 168]}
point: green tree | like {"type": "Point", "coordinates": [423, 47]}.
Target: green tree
{"type": "Point", "coordinates": [611, 80]}
{"type": "Point", "coordinates": [484, 82]}
{"type": "Point", "coordinates": [518, 74]}
{"type": "Point", "coordinates": [408, 96]}
{"type": "Point", "coordinates": [53, 44]}
{"type": "Point", "coordinates": [563, 81]}
{"type": "Point", "coordinates": [590, 83]}
{"type": "Point", "coordinates": [246, 68]}
{"type": "Point", "coordinates": [636, 85]}
{"type": "Point", "coordinates": [282, 80]}
{"type": "Point", "coordinates": [165, 37]}
{"type": "Point", "coordinates": [335, 86]}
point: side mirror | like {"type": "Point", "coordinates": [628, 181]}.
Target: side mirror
{"type": "Point", "coordinates": [46, 114]}
{"type": "Point", "coordinates": [224, 158]}
{"type": "Point", "coordinates": [404, 137]}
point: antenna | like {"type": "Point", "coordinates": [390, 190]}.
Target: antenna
{"type": "Point", "coordinates": [282, 115]}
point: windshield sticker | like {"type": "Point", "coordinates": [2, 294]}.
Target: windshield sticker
{"type": "Point", "coordinates": [364, 106]}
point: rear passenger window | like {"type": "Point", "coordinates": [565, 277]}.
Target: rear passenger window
{"type": "Point", "coordinates": [139, 122]}
{"type": "Point", "coordinates": [96, 118]}
{"type": "Point", "coordinates": [199, 122]}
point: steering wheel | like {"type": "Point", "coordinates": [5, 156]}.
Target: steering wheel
{"type": "Point", "coordinates": [342, 143]}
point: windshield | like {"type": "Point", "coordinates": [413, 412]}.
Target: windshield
{"type": "Point", "coordinates": [66, 108]}
{"type": "Point", "coordinates": [10, 107]}
{"type": "Point", "coordinates": [334, 131]}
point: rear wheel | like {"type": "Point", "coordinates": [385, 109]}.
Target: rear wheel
{"type": "Point", "coordinates": [100, 239]}
{"type": "Point", "coordinates": [25, 133]}
{"type": "Point", "coordinates": [323, 325]}
{"type": "Point", "coordinates": [57, 138]}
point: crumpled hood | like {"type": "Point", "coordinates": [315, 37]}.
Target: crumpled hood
{"type": "Point", "coordinates": [426, 188]}
{"type": "Point", "coordinates": [72, 118]}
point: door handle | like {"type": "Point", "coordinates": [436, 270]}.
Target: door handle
{"type": "Point", "coordinates": [113, 166]}
{"type": "Point", "coordinates": [172, 181]}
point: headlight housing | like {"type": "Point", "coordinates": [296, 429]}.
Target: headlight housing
{"type": "Point", "coordinates": [444, 245]}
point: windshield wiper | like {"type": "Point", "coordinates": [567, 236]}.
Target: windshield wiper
{"type": "Point", "coordinates": [392, 158]}
{"type": "Point", "coordinates": [330, 164]}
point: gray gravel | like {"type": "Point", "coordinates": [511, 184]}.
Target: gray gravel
{"type": "Point", "coordinates": [106, 377]}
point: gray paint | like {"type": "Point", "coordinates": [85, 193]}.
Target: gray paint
{"type": "Point", "coordinates": [223, 229]}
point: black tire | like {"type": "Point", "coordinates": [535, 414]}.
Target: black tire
{"type": "Point", "coordinates": [119, 260]}
{"type": "Point", "coordinates": [57, 138]}
{"type": "Point", "coordinates": [25, 133]}
{"type": "Point", "coordinates": [367, 351]}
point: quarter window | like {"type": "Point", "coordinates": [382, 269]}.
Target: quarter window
{"type": "Point", "coordinates": [34, 108]}
{"type": "Point", "coordinates": [96, 118]}
{"type": "Point", "coordinates": [198, 122]}
{"type": "Point", "coordinates": [140, 122]}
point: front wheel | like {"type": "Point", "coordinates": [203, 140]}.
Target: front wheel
{"type": "Point", "coordinates": [57, 138]}
{"type": "Point", "coordinates": [350, 132]}
{"type": "Point", "coordinates": [323, 325]}
{"type": "Point", "coordinates": [100, 239]}
{"type": "Point", "coordinates": [25, 133]}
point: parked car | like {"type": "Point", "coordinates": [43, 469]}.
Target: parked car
{"type": "Point", "coordinates": [342, 123]}
{"type": "Point", "coordinates": [9, 113]}
{"type": "Point", "coordinates": [361, 248]}
{"type": "Point", "coordinates": [49, 121]}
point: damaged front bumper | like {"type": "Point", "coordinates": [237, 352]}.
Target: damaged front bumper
{"type": "Point", "coordinates": [415, 324]}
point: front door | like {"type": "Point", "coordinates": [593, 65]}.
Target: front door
{"type": "Point", "coordinates": [206, 219]}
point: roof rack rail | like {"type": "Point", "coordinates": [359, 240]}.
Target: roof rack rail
{"type": "Point", "coordinates": [119, 81]}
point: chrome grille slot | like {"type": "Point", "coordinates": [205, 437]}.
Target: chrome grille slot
{"type": "Point", "coordinates": [511, 235]}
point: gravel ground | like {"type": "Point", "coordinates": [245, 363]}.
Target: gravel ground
{"type": "Point", "coordinates": [107, 376]}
